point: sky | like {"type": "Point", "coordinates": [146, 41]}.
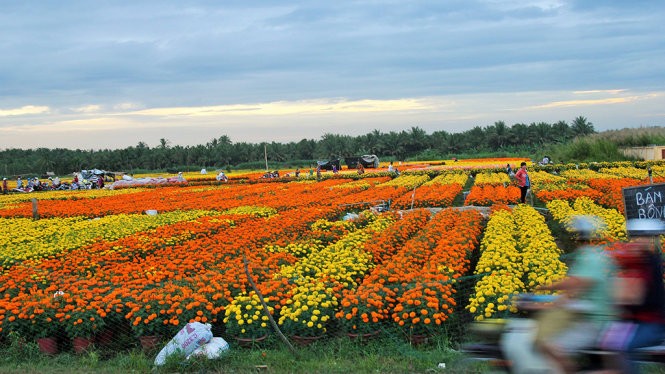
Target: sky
{"type": "Point", "coordinates": [109, 74]}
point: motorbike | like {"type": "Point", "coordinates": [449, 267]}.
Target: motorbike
{"type": "Point", "coordinates": [486, 352]}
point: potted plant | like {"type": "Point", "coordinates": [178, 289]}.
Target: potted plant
{"type": "Point", "coordinates": [146, 325]}
{"type": "Point", "coordinates": [245, 318]}
{"type": "Point", "coordinates": [36, 319]}
{"type": "Point", "coordinates": [422, 308]}
{"type": "Point", "coordinates": [81, 324]}
{"type": "Point", "coordinates": [306, 313]}
{"type": "Point", "coordinates": [45, 329]}
{"type": "Point", "coordinates": [358, 316]}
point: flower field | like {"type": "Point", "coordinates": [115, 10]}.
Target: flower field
{"type": "Point", "coordinates": [94, 261]}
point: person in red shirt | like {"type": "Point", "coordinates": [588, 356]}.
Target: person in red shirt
{"type": "Point", "coordinates": [523, 181]}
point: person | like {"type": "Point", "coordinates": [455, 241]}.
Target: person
{"type": "Point", "coordinates": [297, 172]}
{"type": "Point", "coordinates": [523, 181]}
{"type": "Point", "coordinates": [509, 170]}
{"type": "Point", "coordinates": [19, 183]}
{"type": "Point", "coordinates": [585, 296]}
{"type": "Point", "coordinates": [639, 294]}
{"type": "Point", "coordinates": [222, 177]}
{"type": "Point", "coordinates": [318, 172]}
{"type": "Point", "coordinates": [180, 178]}
{"type": "Point", "coordinates": [5, 188]}
{"type": "Point", "coordinates": [361, 168]}
{"type": "Point", "coordinates": [334, 169]}
{"type": "Point", "coordinates": [390, 167]}
{"type": "Point", "coordinates": [56, 182]}
{"type": "Point", "coordinates": [311, 171]}
{"type": "Point", "coordinates": [545, 161]}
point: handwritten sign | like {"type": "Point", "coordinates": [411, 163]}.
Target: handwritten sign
{"type": "Point", "coordinates": [647, 201]}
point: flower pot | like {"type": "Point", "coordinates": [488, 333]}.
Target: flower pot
{"type": "Point", "coordinates": [48, 345]}
{"type": "Point", "coordinates": [104, 338]}
{"type": "Point", "coordinates": [418, 339]}
{"type": "Point", "coordinates": [81, 344]}
{"type": "Point", "coordinates": [363, 336]}
{"type": "Point", "coordinates": [248, 342]}
{"type": "Point", "coordinates": [149, 342]}
{"type": "Point", "coordinates": [305, 340]}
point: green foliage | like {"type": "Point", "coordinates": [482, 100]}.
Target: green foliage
{"type": "Point", "coordinates": [587, 149]}
{"type": "Point", "coordinates": [222, 153]}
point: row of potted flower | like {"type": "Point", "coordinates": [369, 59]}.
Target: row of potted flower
{"type": "Point", "coordinates": [490, 194]}
{"type": "Point", "coordinates": [418, 277]}
{"type": "Point", "coordinates": [34, 239]}
{"type": "Point", "coordinates": [518, 253]}
{"type": "Point", "coordinates": [614, 223]}
{"type": "Point", "coordinates": [161, 259]}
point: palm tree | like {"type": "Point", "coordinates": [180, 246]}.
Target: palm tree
{"type": "Point", "coordinates": [581, 127]}
{"type": "Point", "coordinates": [498, 135]}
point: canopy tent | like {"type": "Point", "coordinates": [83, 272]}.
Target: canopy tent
{"type": "Point", "coordinates": [328, 165]}
{"type": "Point", "coordinates": [368, 161]}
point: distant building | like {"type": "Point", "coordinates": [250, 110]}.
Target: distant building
{"type": "Point", "coordinates": [650, 152]}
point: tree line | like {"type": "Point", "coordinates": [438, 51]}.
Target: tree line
{"type": "Point", "coordinates": [411, 144]}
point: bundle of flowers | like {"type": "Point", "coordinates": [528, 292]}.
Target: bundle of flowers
{"type": "Point", "coordinates": [615, 223]}
{"type": "Point", "coordinates": [362, 308]}
{"type": "Point", "coordinates": [626, 172]}
{"type": "Point", "coordinates": [433, 195]}
{"type": "Point", "coordinates": [487, 195]}
{"type": "Point", "coordinates": [258, 211]}
{"type": "Point", "coordinates": [567, 191]}
{"type": "Point", "coordinates": [358, 310]}
{"type": "Point", "coordinates": [585, 174]}
{"type": "Point", "coordinates": [344, 261]}
{"type": "Point", "coordinates": [386, 243]}
{"type": "Point", "coordinates": [309, 307]}
{"type": "Point", "coordinates": [494, 179]}
{"type": "Point", "coordinates": [449, 178]}
{"type": "Point", "coordinates": [364, 183]}
{"type": "Point", "coordinates": [427, 299]}
{"type": "Point", "coordinates": [612, 195]}
{"type": "Point", "coordinates": [34, 239]}
{"type": "Point", "coordinates": [540, 254]}
{"type": "Point", "coordinates": [538, 177]}
{"type": "Point", "coordinates": [245, 317]}
{"type": "Point", "coordinates": [299, 249]}
{"type": "Point", "coordinates": [328, 232]}
{"type": "Point", "coordinates": [388, 279]}
{"type": "Point", "coordinates": [500, 266]}
{"type": "Point", "coordinates": [36, 314]}
{"type": "Point", "coordinates": [406, 181]}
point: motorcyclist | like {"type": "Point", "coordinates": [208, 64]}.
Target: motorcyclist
{"type": "Point", "coordinates": [639, 293]}
{"type": "Point", "coordinates": [585, 296]}
{"type": "Point", "coordinates": [580, 313]}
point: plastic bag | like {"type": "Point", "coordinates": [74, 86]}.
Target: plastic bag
{"type": "Point", "coordinates": [214, 349]}
{"type": "Point", "coordinates": [187, 340]}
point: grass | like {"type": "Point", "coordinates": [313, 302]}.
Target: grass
{"type": "Point", "coordinates": [388, 354]}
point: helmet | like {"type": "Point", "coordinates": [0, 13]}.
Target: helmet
{"type": "Point", "coordinates": [586, 226]}
{"type": "Point", "coordinates": [645, 227]}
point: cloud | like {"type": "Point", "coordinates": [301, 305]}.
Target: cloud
{"type": "Point", "coordinates": [23, 111]}
{"type": "Point", "coordinates": [300, 66]}
{"type": "Point", "coordinates": [87, 109]}
{"type": "Point", "coordinates": [285, 108]}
